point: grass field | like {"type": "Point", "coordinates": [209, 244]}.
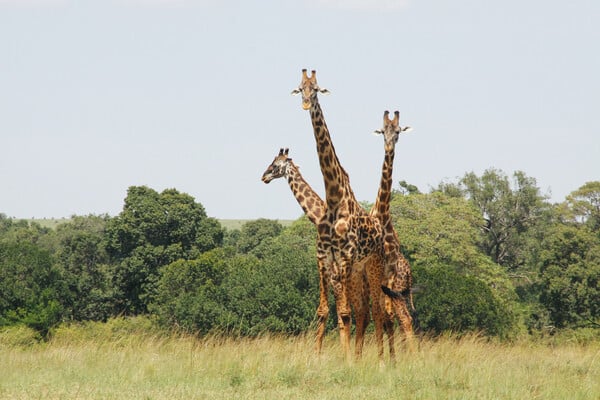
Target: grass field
{"type": "Point", "coordinates": [140, 366]}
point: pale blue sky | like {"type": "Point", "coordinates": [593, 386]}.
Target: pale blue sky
{"type": "Point", "coordinates": [97, 96]}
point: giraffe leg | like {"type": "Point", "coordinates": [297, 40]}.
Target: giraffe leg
{"type": "Point", "coordinates": [374, 273]}
{"type": "Point", "coordinates": [322, 311]}
{"type": "Point", "coordinates": [388, 325]}
{"type": "Point", "coordinates": [338, 283]}
{"type": "Point", "coordinates": [405, 320]}
{"type": "Point", "coordinates": [358, 292]}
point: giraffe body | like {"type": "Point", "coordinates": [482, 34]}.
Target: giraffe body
{"type": "Point", "coordinates": [348, 237]}
{"type": "Point", "coordinates": [314, 208]}
{"type": "Point", "coordinates": [398, 274]}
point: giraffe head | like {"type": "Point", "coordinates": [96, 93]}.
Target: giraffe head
{"type": "Point", "coordinates": [391, 128]}
{"type": "Point", "coordinates": [278, 167]}
{"type": "Point", "coordinates": [309, 89]}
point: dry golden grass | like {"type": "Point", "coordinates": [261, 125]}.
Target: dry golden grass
{"type": "Point", "coordinates": [141, 366]}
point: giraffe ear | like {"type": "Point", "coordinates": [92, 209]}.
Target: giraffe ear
{"type": "Point", "coordinates": [295, 92]}
{"type": "Point", "coordinates": [406, 129]}
{"type": "Point", "coordinates": [377, 132]}
{"type": "Point", "coordinates": [323, 91]}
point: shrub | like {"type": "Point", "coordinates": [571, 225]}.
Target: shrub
{"type": "Point", "coordinates": [449, 301]}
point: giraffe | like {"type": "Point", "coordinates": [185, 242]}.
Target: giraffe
{"type": "Point", "coordinates": [314, 208]}
{"type": "Point", "coordinates": [348, 237]}
{"type": "Point", "coordinates": [397, 269]}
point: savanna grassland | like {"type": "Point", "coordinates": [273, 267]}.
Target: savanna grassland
{"type": "Point", "coordinates": [111, 363]}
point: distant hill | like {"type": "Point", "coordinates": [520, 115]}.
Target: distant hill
{"type": "Point", "coordinates": [231, 224]}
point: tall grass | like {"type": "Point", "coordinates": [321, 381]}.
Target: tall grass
{"type": "Point", "coordinates": [125, 363]}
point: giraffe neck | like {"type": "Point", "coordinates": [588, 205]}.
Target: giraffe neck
{"type": "Point", "coordinates": [312, 205]}
{"type": "Point", "coordinates": [382, 203]}
{"type": "Point", "coordinates": [334, 176]}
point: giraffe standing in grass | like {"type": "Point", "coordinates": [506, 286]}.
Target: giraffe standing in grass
{"type": "Point", "coordinates": [398, 274]}
{"type": "Point", "coordinates": [314, 208]}
{"type": "Point", "coordinates": [348, 238]}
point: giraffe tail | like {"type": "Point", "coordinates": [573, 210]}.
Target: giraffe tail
{"type": "Point", "coordinates": [394, 294]}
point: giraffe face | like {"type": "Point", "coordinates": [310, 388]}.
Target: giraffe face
{"type": "Point", "coordinates": [278, 167]}
{"type": "Point", "coordinates": [391, 129]}
{"type": "Point", "coordinates": [309, 89]}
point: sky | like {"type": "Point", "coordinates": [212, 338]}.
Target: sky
{"type": "Point", "coordinates": [98, 96]}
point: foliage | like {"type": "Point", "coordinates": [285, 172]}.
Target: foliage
{"type": "Point", "coordinates": [154, 230]}
{"type": "Point", "coordinates": [489, 253]}
{"type": "Point", "coordinates": [569, 265]}
{"type": "Point", "coordinates": [436, 228]}
{"type": "Point", "coordinates": [240, 293]}
{"type": "Point", "coordinates": [509, 210]}
{"type": "Point", "coordinates": [85, 268]}
{"type": "Point", "coordinates": [18, 231]}
{"type": "Point", "coordinates": [254, 232]}
{"type": "Point", "coordinates": [450, 301]}
{"type": "Point", "coordinates": [190, 293]}
{"type": "Point", "coordinates": [30, 287]}
{"type": "Point", "coordinates": [277, 292]}
{"type": "Point", "coordinates": [584, 204]}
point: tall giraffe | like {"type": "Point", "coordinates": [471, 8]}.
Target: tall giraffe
{"type": "Point", "coordinates": [314, 208]}
{"type": "Point", "coordinates": [397, 269]}
{"type": "Point", "coordinates": [348, 238]}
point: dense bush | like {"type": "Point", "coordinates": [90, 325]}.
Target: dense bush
{"type": "Point", "coordinates": [449, 301]}
{"type": "Point", "coordinates": [190, 294]}
{"type": "Point", "coordinates": [241, 293]}
{"type": "Point", "coordinates": [30, 287]}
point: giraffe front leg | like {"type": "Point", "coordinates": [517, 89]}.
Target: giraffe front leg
{"type": "Point", "coordinates": [338, 283]}
{"type": "Point", "coordinates": [323, 309]}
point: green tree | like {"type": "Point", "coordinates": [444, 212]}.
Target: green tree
{"type": "Point", "coordinates": [154, 230]}
{"type": "Point", "coordinates": [585, 205]}
{"type": "Point", "coordinates": [254, 232]}
{"type": "Point", "coordinates": [85, 268]}
{"type": "Point", "coordinates": [190, 294]}
{"type": "Point", "coordinates": [437, 229]}
{"type": "Point", "coordinates": [509, 211]}
{"type": "Point", "coordinates": [241, 293]}
{"type": "Point", "coordinates": [30, 286]}
{"type": "Point", "coordinates": [569, 263]}
{"type": "Point", "coordinates": [277, 292]}
{"type": "Point", "coordinates": [18, 231]}
{"type": "Point", "coordinates": [450, 301]}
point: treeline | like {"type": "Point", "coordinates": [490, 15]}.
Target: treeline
{"type": "Point", "coordinates": [489, 253]}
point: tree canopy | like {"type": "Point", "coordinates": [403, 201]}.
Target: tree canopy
{"type": "Point", "coordinates": [489, 254]}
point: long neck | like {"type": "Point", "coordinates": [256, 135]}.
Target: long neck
{"type": "Point", "coordinates": [334, 176]}
{"type": "Point", "coordinates": [382, 203]}
{"type": "Point", "coordinates": [312, 205]}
